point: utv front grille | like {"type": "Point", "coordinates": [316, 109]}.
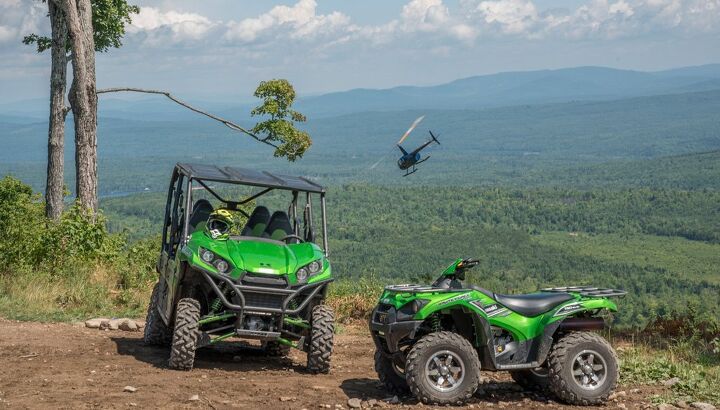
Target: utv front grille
{"type": "Point", "coordinates": [263, 300]}
{"type": "Point", "coordinates": [264, 280]}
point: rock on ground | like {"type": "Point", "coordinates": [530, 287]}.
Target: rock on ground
{"type": "Point", "coordinates": [354, 403]}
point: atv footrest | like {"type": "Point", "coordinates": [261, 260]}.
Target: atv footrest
{"type": "Point", "coordinates": [589, 291]}
{"type": "Point", "coordinates": [258, 334]}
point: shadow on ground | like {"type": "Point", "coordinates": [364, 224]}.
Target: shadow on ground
{"type": "Point", "coordinates": [231, 356]}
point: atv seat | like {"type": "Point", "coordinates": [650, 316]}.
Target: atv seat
{"type": "Point", "coordinates": [257, 222]}
{"type": "Point", "coordinates": [200, 212]}
{"type": "Point", "coordinates": [533, 304]}
{"type": "Point", "coordinates": [278, 227]}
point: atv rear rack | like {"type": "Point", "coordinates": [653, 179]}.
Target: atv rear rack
{"type": "Point", "coordinates": [589, 291]}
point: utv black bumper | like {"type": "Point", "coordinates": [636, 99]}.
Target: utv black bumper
{"type": "Point", "coordinates": [264, 299]}
{"type": "Point", "coordinates": [387, 332]}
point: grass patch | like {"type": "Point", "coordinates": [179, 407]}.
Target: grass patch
{"type": "Point", "coordinates": [694, 362]}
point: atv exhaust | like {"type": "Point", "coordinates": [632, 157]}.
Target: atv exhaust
{"type": "Point", "coordinates": [582, 323]}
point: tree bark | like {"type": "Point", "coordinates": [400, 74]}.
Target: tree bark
{"type": "Point", "coordinates": [83, 100]}
{"type": "Point", "coordinates": [55, 184]}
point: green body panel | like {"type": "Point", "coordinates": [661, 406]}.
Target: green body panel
{"type": "Point", "coordinates": [258, 256]}
{"type": "Point", "coordinates": [521, 327]}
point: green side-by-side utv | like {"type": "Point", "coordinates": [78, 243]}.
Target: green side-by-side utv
{"type": "Point", "coordinates": [231, 268]}
{"type": "Point", "coordinates": [433, 341]}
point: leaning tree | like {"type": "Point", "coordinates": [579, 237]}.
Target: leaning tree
{"type": "Point", "coordinates": [82, 27]}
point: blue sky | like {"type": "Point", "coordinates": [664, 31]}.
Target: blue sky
{"type": "Point", "coordinates": [221, 49]}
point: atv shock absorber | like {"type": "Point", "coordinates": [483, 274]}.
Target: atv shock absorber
{"type": "Point", "coordinates": [435, 323]}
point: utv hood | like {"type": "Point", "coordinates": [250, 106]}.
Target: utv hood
{"type": "Point", "coordinates": [262, 256]}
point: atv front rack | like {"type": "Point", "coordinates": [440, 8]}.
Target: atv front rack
{"type": "Point", "coordinates": [410, 288]}
{"type": "Point", "coordinates": [589, 291]}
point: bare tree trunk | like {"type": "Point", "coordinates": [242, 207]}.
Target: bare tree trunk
{"type": "Point", "coordinates": [54, 188]}
{"type": "Point", "coordinates": [83, 100]}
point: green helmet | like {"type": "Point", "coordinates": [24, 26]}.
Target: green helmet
{"type": "Point", "coordinates": [221, 223]}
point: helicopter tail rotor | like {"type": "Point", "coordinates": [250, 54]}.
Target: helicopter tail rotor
{"type": "Point", "coordinates": [434, 138]}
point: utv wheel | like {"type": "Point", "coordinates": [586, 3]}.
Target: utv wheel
{"type": "Point", "coordinates": [442, 368]}
{"type": "Point", "coordinates": [185, 336]}
{"type": "Point", "coordinates": [156, 332]}
{"type": "Point", "coordinates": [583, 369]}
{"type": "Point", "coordinates": [390, 374]}
{"type": "Point", "coordinates": [321, 340]}
{"type": "Point", "coordinates": [276, 349]}
{"type": "Point", "coordinates": [532, 379]}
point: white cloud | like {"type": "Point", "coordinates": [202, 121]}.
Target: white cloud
{"type": "Point", "coordinates": [300, 21]}
{"type": "Point", "coordinates": [180, 26]}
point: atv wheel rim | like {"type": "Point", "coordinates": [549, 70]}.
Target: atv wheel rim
{"type": "Point", "coordinates": [445, 371]}
{"type": "Point", "coordinates": [589, 370]}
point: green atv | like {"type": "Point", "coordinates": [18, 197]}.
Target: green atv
{"type": "Point", "coordinates": [226, 271]}
{"type": "Point", "coordinates": [433, 341]}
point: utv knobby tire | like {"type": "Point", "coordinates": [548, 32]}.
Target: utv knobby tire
{"type": "Point", "coordinates": [532, 379]}
{"type": "Point", "coordinates": [389, 375]}
{"type": "Point", "coordinates": [185, 335]}
{"type": "Point", "coordinates": [560, 366]}
{"type": "Point", "coordinates": [156, 332]}
{"type": "Point", "coordinates": [276, 349]}
{"type": "Point", "coordinates": [322, 329]}
{"type": "Point", "coordinates": [423, 350]}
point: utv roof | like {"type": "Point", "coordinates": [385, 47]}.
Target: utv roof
{"type": "Point", "coordinates": [244, 176]}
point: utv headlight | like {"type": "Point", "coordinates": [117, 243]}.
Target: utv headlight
{"type": "Point", "coordinates": [311, 269]}
{"type": "Point", "coordinates": [206, 255]}
{"type": "Point", "coordinates": [314, 267]}
{"type": "Point", "coordinates": [220, 264]}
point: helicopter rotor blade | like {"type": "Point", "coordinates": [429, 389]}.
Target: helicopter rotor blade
{"type": "Point", "coordinates": [412, 127]}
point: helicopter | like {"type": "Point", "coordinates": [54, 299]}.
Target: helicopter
{"type": "Point", "coordinates": [409, 160]}
{"type": "Point", "coordinates": [413, 158]}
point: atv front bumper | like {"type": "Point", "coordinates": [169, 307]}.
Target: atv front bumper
{"type": "Point", "coordinates": [387, 332]}
{"type": "Point", "coordinates": [264, 299]}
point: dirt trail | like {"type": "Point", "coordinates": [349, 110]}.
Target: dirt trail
{"type": "Point", "coordinates": [65, 366]}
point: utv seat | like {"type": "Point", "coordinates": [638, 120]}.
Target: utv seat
{"type": "Point", "coordinates": [258, 221]}
{"type": "Point", "coordinates": [278, 227]}
{"type": "Point", "coordinates": [201, 211]}
{"type": "Point", "coordinates": [533, 304]}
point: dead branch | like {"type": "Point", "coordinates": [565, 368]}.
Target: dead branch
{"type": "Point", "coordinates": [227, 123]}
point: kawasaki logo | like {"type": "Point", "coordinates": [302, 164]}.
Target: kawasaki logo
{"type": "Point", "coordinates": [455, 299]}
{"type": "Point", "coordinates": [567, 309]}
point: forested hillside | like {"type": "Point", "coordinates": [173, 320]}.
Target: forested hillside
{"type": "Point", "coordinates": [644, 141]}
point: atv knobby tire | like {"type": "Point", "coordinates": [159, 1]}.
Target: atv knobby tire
{"type": "Point", "coordinates": [390, 375]}
{"type": "Point", "coordinates": [276, 349]}
{"type": "Point", "coordinates": [420, 355]}
{"type": "Point", "coordinates": [156, 332]}
{"type": "Point", "coordinates": [185, 336]}
{"type": "Point", "coordinates": [532, 379]}
{"type": "Point", "coordinates": [560, 365]}
{"type": "Point", "coordinates": [322, 329]}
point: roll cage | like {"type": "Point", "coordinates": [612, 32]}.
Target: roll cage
{"type": "Point", "coordinates": [179, 204]}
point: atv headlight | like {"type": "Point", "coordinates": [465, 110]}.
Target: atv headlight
{"type": "Point", "coordinates": [408, 310]}
{"type": "Point", "coordinates": [220, 264]}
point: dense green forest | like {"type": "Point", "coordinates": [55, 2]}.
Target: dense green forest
{"type": "Point", "coordinates": [661, 245]}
